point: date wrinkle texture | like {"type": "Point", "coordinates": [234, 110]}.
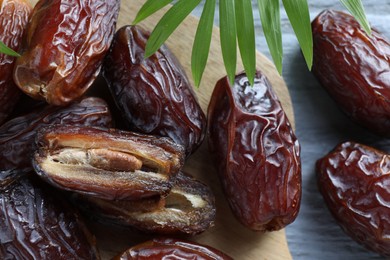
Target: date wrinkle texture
{"type": "Point", "coordinates": [14, 16]}
{"type": "Point", "coordinates": [154, 94]}
{"type": "Point", "coordinates": [353, 68]}
{"type": "Point", "coordinates": [37, 223]}
{"type": "Point", "coordinates": [354, 182]}
{"type": "Point", "coordinates": [171, 248]}
{"type": "Point", "coordinates": [65, 44]}
{"type": "Point", "coordinates": [256, 153]}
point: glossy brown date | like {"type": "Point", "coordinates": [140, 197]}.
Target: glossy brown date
{"type": "Point", "coordinates": [153, 94]}
{"type": "Point", "coordinates": [107, 163]}
{"type": "Point", "coordinates": [188, 209]}
{"type": "Point", "coordinates": [37, 223]}
{"type": "Point", "coordinates": [169, 248]}
{"type": "Point", "coordinates": [65, 44]}
{"type": "Point", "coordinates": [256, 153]}
{"type": "Point", "coordinates": [17, 135]}
{"type": "Point", "coordinates": [354, 182]}
{"type": "Point", "coordinates": [354, 68]}
{"type": "Point", "coordinates": [14, 16]}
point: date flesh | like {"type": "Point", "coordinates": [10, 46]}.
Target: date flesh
{"type": "Point", "coordinates": [14, 16]}
{"type": "Point", "coordinates": [354, 182]}
{"type": "Point", "coordinates": [169, 248]}
{"type": "Point", "coordinates": [189, 209]}
{"type": "Point", "coordinates": [37, 223]}
{"type": "Point", "coordinates": [153, 94]}
{"type": "Point", "coordinates": [107, 163]}
{"type": "Point", "coordinates": [17, 135]}
{"type": "Point", "coordinates": [65, 44]}
{"type": "Point", "coordinates": [354, 68]}
{"type": "Point", "coordinates": [256, 153]}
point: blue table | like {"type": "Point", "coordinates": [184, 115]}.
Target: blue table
{"type": "Point", "coordinates": [320, 125]}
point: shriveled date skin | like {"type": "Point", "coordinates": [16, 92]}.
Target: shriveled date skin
{"type": "Point", "coordinates": [14, 16]}
{"type": "Point", "coordinates": [36, 223]}
{"type": "Point", "coordinates": [169, 248]}
{"type": "Point", "coordinates": [256, 153]}
{"type": "Point", "coordinates": [64, 48]}
{"type": "Point", "coordinates": [354, 68]}
{"type": "Point", "coordinates": [188, 209]}
{"type": "Point", "coordinates": [107, 163]}
{"type": "Point", "coordinates": [17, 135]}
{"type": "Point", "coordinates": [354, 182]}
{"type": "Point", "coordinates": [153, 94]}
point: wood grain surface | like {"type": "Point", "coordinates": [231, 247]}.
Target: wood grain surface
{"type": "Point", "coordinates": [228, 234]}
{"type": "Point", "coordinates": [320, 125]}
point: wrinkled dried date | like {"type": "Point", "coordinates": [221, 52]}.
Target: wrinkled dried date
{"type": "Point", "coordinates": [354, 68]}
{"type": "Point", "coordinates": [168, 248]}
{"type": "Point", "coordinates": [17, 135]}
{"type": "Point", "coordinates": [64, 48]}
{"type": "Point", "coordinates": [14, 16]}
{"type": "Point", "coordinates": [354, 182]}
{"type": "Point", "coordinates": [256, 152]}
{"type": "Point", "coordinates": [154, 94]}
{"type": "Point", "coordinates": [189, 208]}
{"type": "Point", "coordinates": [107, 164]}
{"type": "Point", "coordinates": [37, 223]}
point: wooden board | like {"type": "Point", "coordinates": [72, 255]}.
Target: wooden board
{"type": "Point", "coordinates": [228, 234]}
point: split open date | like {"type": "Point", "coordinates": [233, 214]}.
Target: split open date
{"type": "Point", "coordinates": [107, 163]}
{"type": "Point", "coordinates": [188, 209]}
{"type": "Point", "coordinates": [131, 178]}
{"type": "Point", "coordinates": [18, 134]}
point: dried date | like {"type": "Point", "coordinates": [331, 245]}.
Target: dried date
{"type": "Point", "coordinates": [65, 44]}
{"type": "Point", "coordinates": [37, 223]}
{"type": "Point", "coordinates": [189, 209]}
{"type": "Point", "coordinates": [256, 153]}
{"type": "Point", "coordinates": [153, 94]}
{"type": "Point", "coordinates": [17, 135]}
{"type": "Point", "coordinates": [354, 68]}
{"type": "Point", "coordinates": [14, 16]}
{"type": "Point", "coordinates": [168, 248]}
{"type": "Point", "coordinates": [107, 163]}
{"type": "Point", "coordinates": [354, 182]}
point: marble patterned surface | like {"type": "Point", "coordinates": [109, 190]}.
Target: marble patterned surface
{"type": "Point", "coordinates": [320, 125]}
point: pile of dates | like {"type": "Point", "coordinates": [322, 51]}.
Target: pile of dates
{"type": "Point", "coordinates": [354, 178]}
{"type": "Point", "coordinates": [63, 152]}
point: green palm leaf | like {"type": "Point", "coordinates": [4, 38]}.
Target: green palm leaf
{"type": "Point", "coordinates": [246, 36]}
{"type": "Point", "coordinates": [236, 25]}
{"type": "Point", "coordinates": [149, 8]}
{"type": "Point", "coordinates": [298, 14]}
{"type": "Point", "coordinates": [270, 21]}
{"type": "Point", "coordinates": [168, 23]}
{"type": "Point", "coordinates": [357, 10]}
{"type": "Point", "coordinates": [201, 47]}
{"type": "Point", "coordinates": [228, 35]}
{"type": "Point", "coordinates": [6, 50]}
